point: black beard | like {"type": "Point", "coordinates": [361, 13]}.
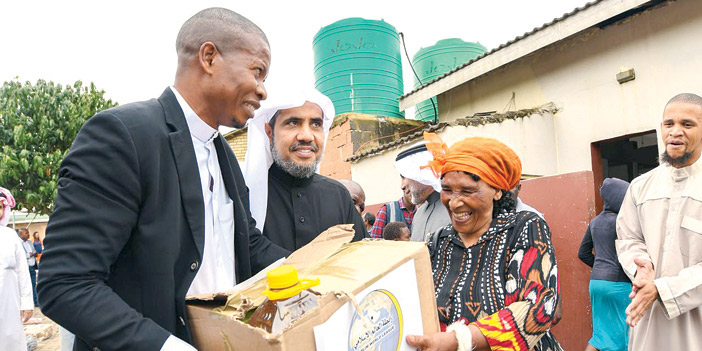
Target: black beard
{"type": "Point", "coordinates": [292, 168]}
{"type": "Point", "coordinates": [676, 161]}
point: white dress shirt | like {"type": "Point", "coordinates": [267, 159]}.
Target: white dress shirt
{"type": "Point", "coordinates": [29, 250]}
{"type": "Point", "coordinates": [216, 271]}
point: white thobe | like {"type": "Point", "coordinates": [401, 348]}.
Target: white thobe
{"type": "Point", "coordinates": [15, 290]}
{"type": "Point", "coordinates": [661, 220]}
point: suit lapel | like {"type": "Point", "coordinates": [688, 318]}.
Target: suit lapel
{"type": "Point", "coordinates": [226, 168]}
{"type": "Point", "coordinates": [186, 167]}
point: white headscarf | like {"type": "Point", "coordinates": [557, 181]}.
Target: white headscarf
{"type": "Point", "coordinates": [7, 202]}
{"type": "Point", "coordinates": [258, 157]}
{"type": "Point", "coordinates": [409, 162]}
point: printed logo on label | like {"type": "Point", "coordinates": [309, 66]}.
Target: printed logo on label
{"type": "Point", "coordinates": [379, 324]}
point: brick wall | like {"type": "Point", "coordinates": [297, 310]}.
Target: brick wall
{"type": "Point", "coordinates": [237, 141]}
{"type": "Point", "coordinates": [353, 133]}
{"type": "Point", "coordinates": [338, 148]}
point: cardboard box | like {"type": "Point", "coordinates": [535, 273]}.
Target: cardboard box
{"type": "Point", "coordinates": [344, 269]}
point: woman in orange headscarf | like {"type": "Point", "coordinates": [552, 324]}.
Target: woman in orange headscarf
{"type": "Point", "coordinates": [495, 275]}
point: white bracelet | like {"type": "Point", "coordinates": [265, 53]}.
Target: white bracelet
{"type": "Point", "coordinates": [463, 335]}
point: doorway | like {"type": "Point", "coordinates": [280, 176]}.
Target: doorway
{"type": "Point", "coordinates": [625, 157]}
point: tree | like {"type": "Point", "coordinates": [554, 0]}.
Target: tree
{"type": "Point", "coordinates": [38, 125]}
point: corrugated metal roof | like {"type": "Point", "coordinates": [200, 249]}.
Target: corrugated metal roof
{"type": "Point", "coordinates": [511, 42]}
{"type": "Point", "coordinates": [480, 118]}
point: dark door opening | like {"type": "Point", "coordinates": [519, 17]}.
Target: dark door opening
{"type": "Point", "coordinates": [625, 157]}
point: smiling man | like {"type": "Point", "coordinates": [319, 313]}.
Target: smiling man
{"type": "Point", "coordinates": [291, 203]}
{"type": "Point", "coordinates": [151, 203]}
{"type": "Point", "coordinates": [423, 187]}
{"type": "Point", "coordinates": [659, 237]}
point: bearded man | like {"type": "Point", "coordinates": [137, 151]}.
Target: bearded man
{"type": "Point", "coordinates": [291, 203]}
{"type": "Point", "coordinates": [424, 188]}
{"type": "Point", "coordinates": [659, 237]}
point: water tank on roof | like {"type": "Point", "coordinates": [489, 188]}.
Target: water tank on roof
{"type": "Point", "coordinates": [434, 61]}
{"type": "Point", "coordinates": [357, 64]}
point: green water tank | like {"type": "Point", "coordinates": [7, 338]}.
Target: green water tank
{"type": "Point", "coordinates": [435, 61]}
{"type": "Point", "coordinates": [357, 64]}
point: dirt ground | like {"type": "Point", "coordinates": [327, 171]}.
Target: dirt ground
{"type": "Point", "coordinates": [52, 343]}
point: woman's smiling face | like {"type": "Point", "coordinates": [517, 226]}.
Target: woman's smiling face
{"type": "Point", "coordinates": [469, 203]}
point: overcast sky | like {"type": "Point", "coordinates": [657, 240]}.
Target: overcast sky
{"type": "Point", "coordinates": [127, 47]}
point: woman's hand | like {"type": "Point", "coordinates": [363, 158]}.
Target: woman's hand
{"type": "Point", "coordinates": [434, 342]}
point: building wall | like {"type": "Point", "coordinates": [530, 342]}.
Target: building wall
{"type": "Point", "coordinates": [237, 141]}
{"type": "Point", "coordinates": [578, 75]}
{"type": "Point", "coordinates": [339, 147]}
{"type": "Point", "coordinates": [568, 206]}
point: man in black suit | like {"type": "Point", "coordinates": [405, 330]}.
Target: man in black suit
{"type": "Point", "coordinates": [151, 202]}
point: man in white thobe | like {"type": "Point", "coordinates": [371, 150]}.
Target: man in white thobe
{"type": "Point", "coordinates": [16, 303]}
{"type": "Point", "coordinates": [659, 231]}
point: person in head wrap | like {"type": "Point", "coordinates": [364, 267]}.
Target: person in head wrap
{"type": "Point", "coordinates": [290, 202]}
{"type": "Point", "coordinates": [16, 304]}
{"type": "Point", "coordinates": [423, 186]}
{"type": "Point", "coordinates": [494, 268]}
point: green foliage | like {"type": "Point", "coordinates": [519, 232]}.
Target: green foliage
{"type": "Point", "coordinates": [37, 126]}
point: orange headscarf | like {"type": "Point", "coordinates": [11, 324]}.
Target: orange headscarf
{"type": "Point", "coordinates": [494, 162]}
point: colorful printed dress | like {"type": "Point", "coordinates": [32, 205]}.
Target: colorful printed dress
{"type": "Point", "coordinates": [506, 284]}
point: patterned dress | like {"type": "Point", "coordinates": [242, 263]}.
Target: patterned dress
{"type": "Point", "coordinates": [506, 284]}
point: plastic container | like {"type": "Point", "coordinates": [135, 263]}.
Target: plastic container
{"type": "Point", "coordinates": [357, 64]}
{"type": "Point", "coordinates": [434, 61]}
{"type": "Point", "coordinates": [288, 298]}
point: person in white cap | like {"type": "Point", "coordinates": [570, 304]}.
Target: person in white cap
{"type": "Point", "coordinates": [291, 203]}
{"type": "Point", "coordinates": [425, 190]}
{"type": "Point", "coordinates": [16, 305]}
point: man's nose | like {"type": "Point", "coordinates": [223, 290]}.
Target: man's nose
{"type": "Point", "coordinates": [676, 130]}
{"type": "Point", "coordinates": [261, 91]}
{"type": "Point", "coordinates": [305, 133]}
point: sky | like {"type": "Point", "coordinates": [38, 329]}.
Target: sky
{"type": "Point", "coordinates": [127, 48]}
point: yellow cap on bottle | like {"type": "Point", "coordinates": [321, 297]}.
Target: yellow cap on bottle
{"type": "Point", "coordinates": [283, 283]}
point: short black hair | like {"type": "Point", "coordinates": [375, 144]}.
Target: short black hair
{"type": "Point", "coordinates": [223, 27]}
{"type": "Point", "coordinates": [688, 98]}
{"type": "Point", "coordinates": [369, 218]}
{"type": "Point", "coordinates": [393, 230]}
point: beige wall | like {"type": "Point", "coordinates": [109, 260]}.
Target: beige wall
{"type": "Point", "coordinates": [578, 75]}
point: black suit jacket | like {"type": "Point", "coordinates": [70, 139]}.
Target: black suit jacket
{"type": "Point", "coordinates": [126, 237]}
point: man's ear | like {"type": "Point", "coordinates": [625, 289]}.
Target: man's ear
{"type": "Point", "coordinates": [269, 132]}
{"type": "Point", "coordinates": [206, 56]}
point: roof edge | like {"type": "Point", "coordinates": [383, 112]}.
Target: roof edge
{"type": "Point", "coordinates": [574, 22]}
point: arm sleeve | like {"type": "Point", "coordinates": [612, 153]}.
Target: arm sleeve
{"type": "Point", "coordinates": [531, 291]}
{"type": "Point", "coordinates": [97, 207]}
{"type": "Point", "coordinates": [585, 250]}
{"type": "Point", "coordinates": [25, 282]}
{"type": "Point", "coordinates": [630, 241]}
{"type": "Point", "coordinates": [379, 224]}
{"type": "Point", "coordinates": [681, 293]}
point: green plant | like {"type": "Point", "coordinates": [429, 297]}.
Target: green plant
{"type": "Point", "coordinates": [38, 123]}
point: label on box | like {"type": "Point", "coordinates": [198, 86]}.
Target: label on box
{"type": "Point", "coordinates": [388, 310]}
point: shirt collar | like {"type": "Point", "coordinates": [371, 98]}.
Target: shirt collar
{"type": "Point", "coordinates": [198, 128]}
{"type": "Point", "coordinates": [284, 177]}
